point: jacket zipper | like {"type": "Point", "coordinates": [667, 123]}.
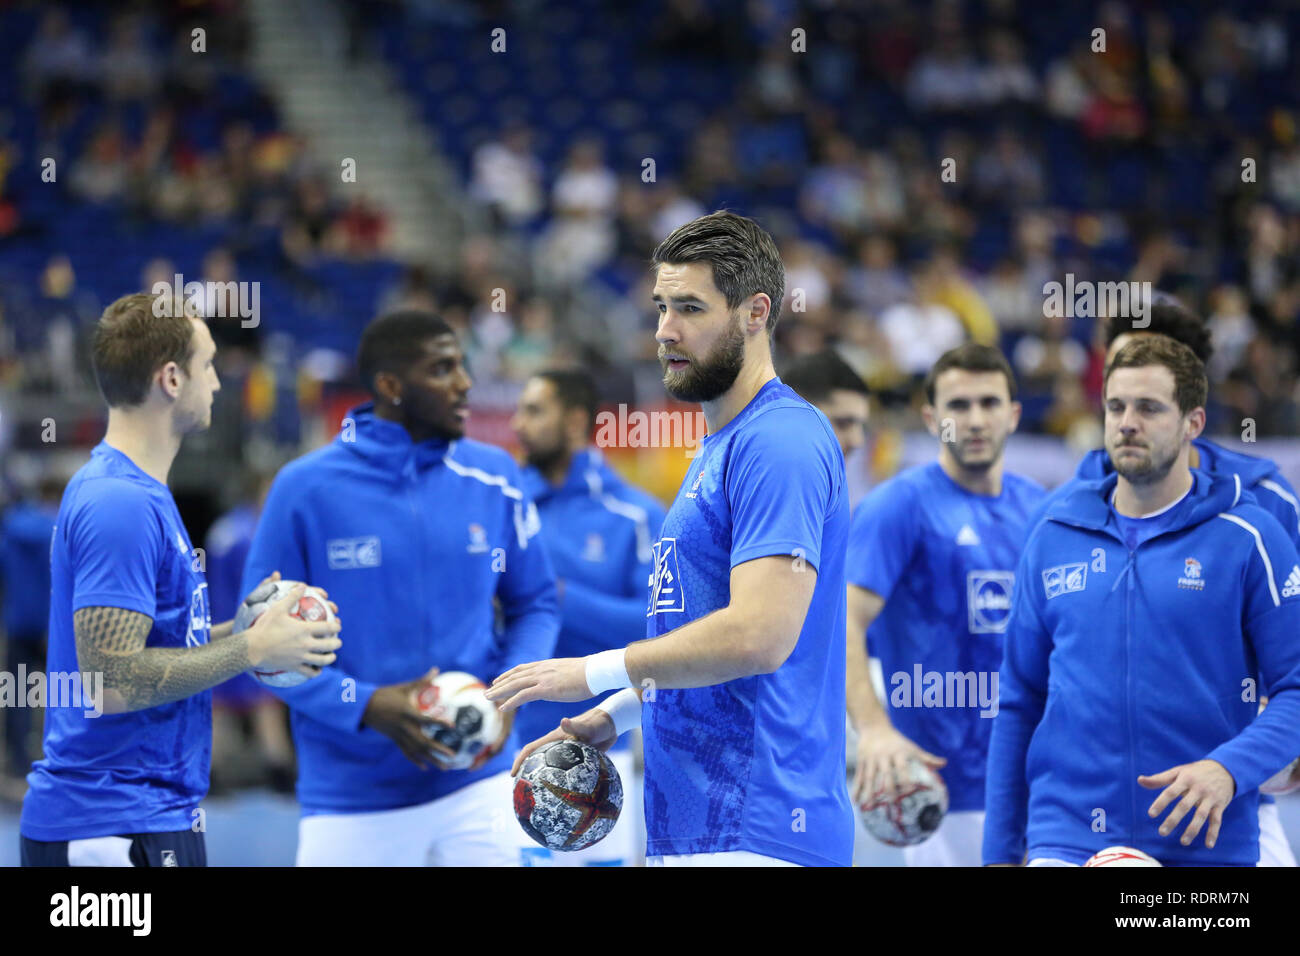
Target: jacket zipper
{"type": "Point", "coordinates": [1128, 688]}
{"type": "Point", "coordinates": [424, 556]}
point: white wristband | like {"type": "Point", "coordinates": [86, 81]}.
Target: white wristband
{"type": "Point", "coordinates": [624, 708]}
{"type": "Point", "coordinates": [607, 671]}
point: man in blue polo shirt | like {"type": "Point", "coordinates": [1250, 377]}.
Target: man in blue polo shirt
{"type": "Point", "coordinates": [597, 530]}
{"type": "Point", "coordinates": [743, 669]}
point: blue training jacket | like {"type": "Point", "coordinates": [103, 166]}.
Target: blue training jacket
{"type": "Point", "coordinates": [1123, 663]}
{"type": "Point", "coordinates": [413, 543]}
{"type": "Point", "coordinates": [25, 534]}
{"type": "Point", "coordinates": [598, 532]}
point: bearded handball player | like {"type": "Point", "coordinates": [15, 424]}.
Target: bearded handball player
{"type": "Point", "coordinates": [129, 607]}
{"type": "Point", "coordinates": [743, 670]}
{"type": "Point", "coordinates": [1147, 605]}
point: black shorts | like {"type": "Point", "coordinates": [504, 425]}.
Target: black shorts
{"type": "Point", "coordinates": [177, 848]}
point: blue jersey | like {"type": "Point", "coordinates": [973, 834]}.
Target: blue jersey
{"type": "Point", "coordinates": [417, 544]}
{"type": "Point", "coordinates": [756, 763]}
{"type": "Point", "coordinates": [120, 543]}
{"type": "Point", "coordinates": [25, 568]}
{"type": "Point", "coordinates": [944, 560]}
{"type": "Point", "coordinates": [1125, 661]}
{"type": "Point", "coordinates": [597, 530]}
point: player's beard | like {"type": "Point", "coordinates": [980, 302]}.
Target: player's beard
{"type": "Point", "coordinates": [706, 379]}
{"type": "Point", "coordinates": [966, 464]}
{"type": "Point", "coordinates": [545, 458]}
{"type": "Point", "coordinates": [1145, 471]}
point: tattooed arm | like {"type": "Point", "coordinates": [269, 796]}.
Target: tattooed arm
{"type": "Point", "coordinates": [111, 641]}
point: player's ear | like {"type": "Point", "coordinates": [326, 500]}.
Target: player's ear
{"type": "Point", "coordinates": [576, 425]}
{"type": "Point", "coordinates": [931, 421]}
{"type": "Point", "coordinates": [760, 307]}
{"type": "Point", "coordinates": [1016, 409]}
{"type": "Point", "coordinates": [387, 388]}
{"type": "Point", "coordinates": [1195, 423]}
{"type": "Point", "coordinates": [171, 378]}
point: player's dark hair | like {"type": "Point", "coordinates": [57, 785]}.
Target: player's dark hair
{"type": "Point", "coordinates": [1191, 385]}
{"type": "Point", "coordinates": [743, 256]}
{"type": "Point", "coordinates": [132, 341]}
{"type": "Point", "coordinates": [817, 375]}
{"type": "Point", "coordinates": [574, 388]}
{"type": "Point", "coordinates": [1170, 317]}
{"type": "Point", "coordinates": [391, 343]}
{"type": "Point", "coordinates": [971, 357]}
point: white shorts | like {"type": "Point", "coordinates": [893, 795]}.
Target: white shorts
{"type": "Point", "coordinates": [731, 858]}
{"type": "Point", "coordinates": [475, 826]}
{"type": "Point", "coordinates": [959, 841]}
{"type": "Point", "coordinates": [1274, 848]}
{"type": "Point", "coordinates": [623, 846]}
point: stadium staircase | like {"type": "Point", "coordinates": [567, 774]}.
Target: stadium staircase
{"type": "Point", "coordinates": [350, 107]}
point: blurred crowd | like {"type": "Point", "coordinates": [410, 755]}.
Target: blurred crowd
{"type": "Point", "coordinates": [927, 169]}
{"type": "Point", "coordinates": [927, 177]}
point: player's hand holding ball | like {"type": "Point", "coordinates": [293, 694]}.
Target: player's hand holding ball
{"type": "Point", "coordinates": [394, 711]}
{"type": "Point", "coordinates": [594, 727]}
{"type": "Point", "coordinates": [292, 631]}
{"type": "Point", "coordinates": [467, 725]}
{"type": "Point", "coordinates": [883, 756]}
{"type": "Point", "coordinates": [1204, 785]}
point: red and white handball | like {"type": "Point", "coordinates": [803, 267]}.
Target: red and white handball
{"type": "Point", "coordinates": [312, 606]}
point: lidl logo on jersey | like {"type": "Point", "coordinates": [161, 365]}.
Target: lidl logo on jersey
{"type": "Point", "coordinates": [478, 543]}
{"type": "Point", "coordinates": [594, 549]}
{"type": "Point", "coordinates": [988, 600]}
{"type": "Point", "coordinates": [200, 623]}
{"type": "Point", "coordinates": [344, 554]}
{"type": "Point", "coordinates": [1292, 586]}
{"type": "Point", "coordinates": [1191, 579]}
{"type": "Point", "coordinates": [1065, 578]}
{"type": "Point", "coordinates": [666, 595]}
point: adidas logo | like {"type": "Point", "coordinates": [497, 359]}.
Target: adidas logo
{"type": "Point", "coordinates": [967, 535]}
{"type": "Point", "coordinates": [1292, 586]}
